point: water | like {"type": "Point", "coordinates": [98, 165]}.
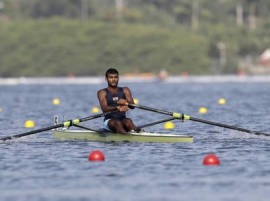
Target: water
{"type": "Point", "coordinates": [38, 167]}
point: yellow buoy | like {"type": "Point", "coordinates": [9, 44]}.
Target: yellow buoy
{"type": "Point", "coordinates": [1, 110]}
{"type": "Point", "coordinates": [29, 124]}
{"type": "Point", "coordinates": [222, 101]}
{"type": "Point", "coordinates": [56, 101]}
{"type": "Point", "coordinates": [169, 125]}
{"type": "Point", "coordinates": [136, 101]}
{"type": "Point", "coordinates": [95, 109]}
{"type": "Point", "coordinates": [203, 110]}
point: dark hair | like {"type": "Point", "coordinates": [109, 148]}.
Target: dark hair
{"type": "Point", "coordinates": [111, 71]}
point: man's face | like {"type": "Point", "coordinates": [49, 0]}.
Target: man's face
{"type": "Point", "coordinates": [112, 80]}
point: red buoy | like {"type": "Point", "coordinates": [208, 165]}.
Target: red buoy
{"type": "Point", "coordinates": [211, 159]}
{"type": "Point", "coordinates": [96, 155]}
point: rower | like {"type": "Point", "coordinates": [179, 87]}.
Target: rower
{"type": "Point", "coordinates": [115, 98]}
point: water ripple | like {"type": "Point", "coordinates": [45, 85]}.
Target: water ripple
{"type": "Point", "coordinates": [39, 167]}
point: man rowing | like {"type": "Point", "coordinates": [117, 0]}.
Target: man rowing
{"type": "Point", "coordinates": [114, 98]}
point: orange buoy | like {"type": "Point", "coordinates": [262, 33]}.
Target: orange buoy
{"type": "Point", "coordinates": [211, 159]}
{"type": "Point", "coordinates": [96, 155]}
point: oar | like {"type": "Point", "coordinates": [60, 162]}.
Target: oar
{"type": "Point", "coordinates": [137, 128]}
{"type": "Point", "coordinates": [187, 117]}
{"type": "Point", "coordinates": [87, 128]}
{"type": "Point", "coordinates": [154, 123]}
{"type": "Point", "coordinates": [64, 124]}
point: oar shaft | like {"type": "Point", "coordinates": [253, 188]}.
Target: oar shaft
{"type": "Point", "coordinates": [31, 132]}
{"type": "Point", "coordinates": [87, 128]}
{"type": "Point", "coordinates": [64, 124]}
{"type": "Point", "coordinates": [156, 122]}
{"type": "Point", "coordinates": [218, 124]}
{"type": "Point", "coordinates": [228, 126]}
{"type": "Point", "coordinates": [186, 117]}
{"type": "Point", "coordinates": [150, 109]}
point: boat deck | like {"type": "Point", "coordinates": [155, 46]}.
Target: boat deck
{"type": "Point", "coordinates": [115, 137]}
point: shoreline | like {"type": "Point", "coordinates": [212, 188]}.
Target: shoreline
{"type": "Point", "coordinates": [135, 79]}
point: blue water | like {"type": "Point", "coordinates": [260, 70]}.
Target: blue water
{"type": "Point", "coordinates": [39, 167]}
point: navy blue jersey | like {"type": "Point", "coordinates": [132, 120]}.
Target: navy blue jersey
{"type": "Point", "coordinates": [112, 101]}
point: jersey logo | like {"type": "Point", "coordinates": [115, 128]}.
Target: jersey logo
{"type": "Point", "coordinates": [115, 98]}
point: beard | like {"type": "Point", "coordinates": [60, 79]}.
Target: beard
{"type": "Point", "coordinates": [113, 84]}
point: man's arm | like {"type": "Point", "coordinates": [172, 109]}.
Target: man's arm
{"type": "Point", "coordinates": [128, 95]}
{"type": "Point", "coordinates": [129, 98]}
{"type": "Point", "coordinates": [101, 94]}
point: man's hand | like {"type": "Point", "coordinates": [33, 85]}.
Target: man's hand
{"type": "Point", "coordinates": [122, 102]}
{"type": "Point", "coordinates": [122, 108]}
{"type": "Point", "coordinates": [122, 105]}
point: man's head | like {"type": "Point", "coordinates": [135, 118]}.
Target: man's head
{"type": "Point", "coordinates": [111, 71]}
{"type": "Point", "coordinates": [112, 77]}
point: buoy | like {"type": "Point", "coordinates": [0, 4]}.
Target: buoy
{"type": "Point", "coordinates": [56, 101]}
{"type": "Point", "coordinates": [222, 101]}
{"type": "Point", "coordinates": [203, 110]}
{"type": "Point", "coordinates": [29, 124]}
{"type": "Point", "coordinates": [96, 155]}
{"type": "Point", "coordinates": [211, 159]}
{"type": "Point", "coordinates": [136, 101]}
{"type": "Point", "coordinates": [1, 110]}
{"type": "Point", "coordinates": [169, 125]}
{"type": "Point", "coordinates": [95, 109]}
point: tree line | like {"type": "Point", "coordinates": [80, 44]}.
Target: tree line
{"type": "Point", "coordinates": [56, 38]}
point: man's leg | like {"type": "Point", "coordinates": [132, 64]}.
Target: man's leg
{"type": "Point", "coordinates": [117, 126]}
{"type": "Point", "coordinates": [128, 124]}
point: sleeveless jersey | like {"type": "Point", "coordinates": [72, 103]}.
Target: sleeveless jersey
{"type": "Point", "coordinates": [112, 101]}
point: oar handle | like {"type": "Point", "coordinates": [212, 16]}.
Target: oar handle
{"type": "Point", "coordinates": [149, 109]}
{"type": "Point", "coordinates": [96, 116]}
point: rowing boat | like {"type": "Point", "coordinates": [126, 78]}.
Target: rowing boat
{"type": "Point", "coordinates": [69, 134]}
{"type": "Point", "coordinates": [65, 133]}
